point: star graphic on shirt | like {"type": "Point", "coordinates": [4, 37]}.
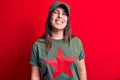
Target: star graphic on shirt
{"type": "Point", "coordinates": [61, 64]}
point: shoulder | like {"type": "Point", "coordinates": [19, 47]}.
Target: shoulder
{"type": "Point", "coordinates": [39, 42]}
{"type": "Point", "coordinates": [76, 40]}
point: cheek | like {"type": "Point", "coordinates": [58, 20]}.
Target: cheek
{"type": "Point", "coordinates": [52, 19]}
{"type": "Point", "coordinates": [66, 20]}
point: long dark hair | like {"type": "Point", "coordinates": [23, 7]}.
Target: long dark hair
{"type": "Point", "coordinates": [48, 33]}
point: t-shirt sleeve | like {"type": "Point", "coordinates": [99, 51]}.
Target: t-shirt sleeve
{"type": "Point", "coordinates": [82, 55]}
{"type": "Point", "coordinates": [81, 50]}
{"type": "Point", "coordinates": [34, 60]}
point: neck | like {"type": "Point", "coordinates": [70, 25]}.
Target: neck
{"type": "Point", "coordinates": [57, 35]}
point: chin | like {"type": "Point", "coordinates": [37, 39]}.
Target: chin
{"type": "Point", "coordinates": [60, 27]}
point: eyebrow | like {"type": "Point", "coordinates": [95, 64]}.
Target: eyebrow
{"type": "Point", "coordinates": [58, 10]}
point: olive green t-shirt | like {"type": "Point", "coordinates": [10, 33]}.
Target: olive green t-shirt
{"type": "Point", "coordinates": [61, 62]}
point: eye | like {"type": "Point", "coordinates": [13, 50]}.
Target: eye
{"type": "Point", "coordinates": [64, 13]}
{"type": "Point", "coordinates": [55, 12]}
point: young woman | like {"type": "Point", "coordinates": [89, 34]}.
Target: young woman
{"type": "Point", "coordinates": [58, 55]}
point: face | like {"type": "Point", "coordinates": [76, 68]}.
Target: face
{"type": "Point", "coordinates": [59, 19]}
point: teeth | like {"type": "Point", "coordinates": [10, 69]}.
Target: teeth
{"type": "Point", "coordinates": [58, 22]}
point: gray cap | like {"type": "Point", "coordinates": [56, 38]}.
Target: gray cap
{"type": "Point", "coordinates": [60, 4]}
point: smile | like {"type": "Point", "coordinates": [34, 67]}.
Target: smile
{"type": "Point", "coordinates": [59, 21]}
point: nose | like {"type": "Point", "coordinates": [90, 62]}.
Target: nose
{"type": "Point", "coordinates": [60, 15]}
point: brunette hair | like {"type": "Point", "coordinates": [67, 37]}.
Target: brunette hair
{"type": "Point", "coordinates": [48, 32]}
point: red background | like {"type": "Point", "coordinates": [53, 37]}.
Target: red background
{"type": "Point", "coordinates": [95, 22]}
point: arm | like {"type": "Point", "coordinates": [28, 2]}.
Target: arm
{"type": "Point", "coordinates": [35, 73]}
{"type": "Point", "coordinates": [82, 70]}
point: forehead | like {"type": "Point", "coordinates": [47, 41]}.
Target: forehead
{"type": "Point", "coordinates": [60, 9]}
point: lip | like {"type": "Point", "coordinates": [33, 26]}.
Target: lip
{"type": "Point", "coordinates": [59, 20]}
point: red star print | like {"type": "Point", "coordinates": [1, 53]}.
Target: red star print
{"type": "Point", "coordinates": [61, 64]}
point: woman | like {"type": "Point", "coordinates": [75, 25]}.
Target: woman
{"type": "Point", "coordinates": [58, 55]}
